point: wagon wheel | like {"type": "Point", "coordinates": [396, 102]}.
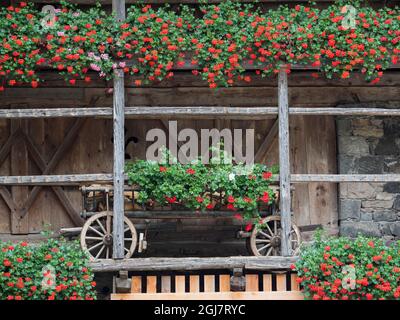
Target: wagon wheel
{"type": "Point", "coordinates": [97, 236]}
{"type": "Point", "coordinates": [266, 240]}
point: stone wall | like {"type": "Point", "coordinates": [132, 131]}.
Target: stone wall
{"type": "Point", "coordinates": [369, 145]}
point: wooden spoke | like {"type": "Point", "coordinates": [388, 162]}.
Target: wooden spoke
{"type": "Point", "coordinates": [101, 226]}
{"type": "Point", "coordinates": [269, 252]}
{"type": "Point", "coordinates": [94, 238]}
{"type": "Point", "coordinates": [107, 253]}
{"type": "Point", "coordinates": [264, 247]}
{"type": "Point", "coordinates": [95, 246]}
{"type": "Point", "coordinates": [265, 235]}
{"type": "Point", "coordinates": [100, 251]}
{"type": "Point", "coordinates": [262, 241]}
{"type": "Point", "coordinates": [94, 230]}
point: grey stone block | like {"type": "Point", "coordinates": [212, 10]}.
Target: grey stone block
{"type": "Point", "coordinates": [370, 165]}
{"type": "Point", "coordinates": [350, 209]}
{"type": "Point", "coordinates": [352, 229]}
{"type": "Point", "coordinates": [346, 164]}
{"type": "Point", "coordinates": [387, 146]}
{"type": "Point", "coordinates": [357, 146]}
{"type": "Point", "coordinates": [392, 187]}
{"type": "Point", "coordinates": [395, 229]}
{"type": "Point", "coordinates": [396, 204]}
{"type": "Point", "coordinates": [385, 216]}
{"type": "Point", "coordinates": [385, 228]}
{"type": "Point", "coordinates": [366, 216]}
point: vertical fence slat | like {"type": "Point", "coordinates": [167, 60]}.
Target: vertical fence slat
{"type": "Point", "coordinates": [136, 284]}
{"type": "Point", "coordinates": [209, 283]}
{"type": "Point", "coordinates": [179, 284]}
{"type": "Point", "coordinates": [284, 162]}
{"type": "Point", "coordinates": [252, 282]}
{"type": "Point", "coordinates": [281, 282]}
{"type": "Point", "coordinates": [165, 284]}
{"type": "Point", "coordinates": [194, 283]}
{"type": "Point", "coordinates": [151, 284]}
{"type": "Point", "coordinates": [224, 283]}
{"type": "Point", "coordinates": [267, 282]}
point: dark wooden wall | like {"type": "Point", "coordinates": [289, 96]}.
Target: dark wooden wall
{"type": "Point", "coordinates": [312, 138]}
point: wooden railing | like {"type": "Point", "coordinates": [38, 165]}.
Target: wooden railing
{"type": "Point", "coordinates": [260, 286]}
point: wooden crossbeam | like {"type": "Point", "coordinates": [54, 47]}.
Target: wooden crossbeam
{"type": "Point", "coordinates": [6, 195]}
{"type": "Point", "coordinates": [58, 191]}
{"type": "Point", "coordinates": [267, 142]}
{"type": "Point", "coordinates": [200, 112]}
{"type": "Point", "coordinates": [80, 179]}
{"type": "Point", "coordinates": [58, 155]}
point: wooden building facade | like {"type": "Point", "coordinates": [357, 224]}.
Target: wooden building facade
{"type": "Point", "coordinates": [71, 133]}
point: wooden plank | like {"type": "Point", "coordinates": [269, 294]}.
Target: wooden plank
{"type": "Point", "coordinates": [209, 283]}
{"type": "Point", "coordinates": [58, 155]}
{"type": "Point", "coordinates": [267, 282]}
{"type": "Point", "coordinates": [49, 180]}
{"type": "Point", "coordinates": [179, 284]}
{"type": "Point", "coordinates": [194, 283]}
{"type": "Point", "coordinates": [281, 282]}
{"type": "Point", "coordinates": [20, 194]}
{"type": "Point", "coordinates": [267, 142]}
{"type": "Point", "coordinates": [272, 295]}
{"type": "Point", "coordinates": [65, 202]}
{"type": "Point", "coordinates": [198, 112]}
{"type": "Point", "coordinates": [151, 284]}
{"type": "Point", "coordinates": [252, 282]}
{"type": "Point", "coordinates": [302, 178]}
{"type": "Point", "coordinates": [284, 162]}
{"type": "Point", "coordinates": [293, 282]}
{"type": "Point", "coordinates": [136, 284]}
{"type": "Point", "coordinates": [224, 283]}
{"type": "Point", "coordinates": [165, 284]}
{"type": "Point", "coordinates": [79, 179]}
{"type": "Point", "coordinates": [119, 10]}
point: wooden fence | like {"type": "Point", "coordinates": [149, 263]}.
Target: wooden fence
{"type": "Point", "coordinates": [259, 286]}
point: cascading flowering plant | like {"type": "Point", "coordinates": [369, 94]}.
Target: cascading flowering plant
{"type": "Point", "coordinates": [340, 268]}
{"type": "Point", "coordinates": [218, 41]}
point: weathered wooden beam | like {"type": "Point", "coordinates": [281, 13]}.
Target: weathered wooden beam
{"type": "Point", "coordinates": [80, 179]}
{"type": "Point", "coordinates": [186, 264]}
{"type": "Point", "coordinates": [58, 155]}
{"type": "Point", "coordinates": [56, 180]}
{"type": "Point", "coordinates": [58, 191]}
{"type": "Point", "coordinates": [304, 178]}
{"type": "Point", "coordinates": [267, 142]}
{"type": "Point", "coordinates": [200, 112]}
{"type": "Point", "coordinates": [284, 162]}
{"type": "Point", "coordinates": [119, 147]}
{"type": "Point", "coordinates": [19, 166]}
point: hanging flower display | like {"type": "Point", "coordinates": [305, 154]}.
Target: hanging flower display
{"type": "Point", "coordinates": [217, 42]}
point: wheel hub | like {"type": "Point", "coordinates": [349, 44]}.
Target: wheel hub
{"type": "Point", "coordinates": [107, 240]}
{"type": "Point", "coordinates": [276, 241]}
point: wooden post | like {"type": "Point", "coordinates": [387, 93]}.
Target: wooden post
{"type": "Point", "coordinates": [119, 148]}
{"type": "Point", "coordinates": [284, 162]}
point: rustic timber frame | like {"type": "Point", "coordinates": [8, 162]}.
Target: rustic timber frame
{"type": "Point", "coordinates": [19, 180]}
